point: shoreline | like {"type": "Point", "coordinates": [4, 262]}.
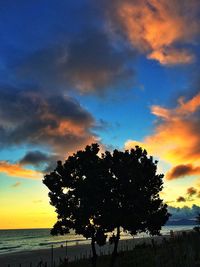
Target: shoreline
{"type": "Point", "coordinates": [75, 252]}
{"type": "Point", "coordinates": [40, 240]}
{"type": "Point", "coordinates": [80, 251]}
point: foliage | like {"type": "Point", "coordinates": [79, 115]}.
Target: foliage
{"type": "Point", "coordinates": [198, 219]}
{"type": "Point", "coordinates": [197, 228]}
{"type": "Point", "coordinates": [77, 188]}
{"type": "Point", "coordinates": [95, 195]}
{"type": "Point", "coordinates": [134, 198]}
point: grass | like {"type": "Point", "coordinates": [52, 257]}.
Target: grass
{"type": "Point", "coordinates": [180, 251]}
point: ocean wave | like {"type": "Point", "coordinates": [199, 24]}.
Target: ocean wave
{"type": "Point", "coordinates": [62, 242]}
{"type": "Point", "coordinates": [22, 238]}
{"type": "Point", "coordinates": [31, 237]}
{"type": "Point", "coordinates": [9, 247]}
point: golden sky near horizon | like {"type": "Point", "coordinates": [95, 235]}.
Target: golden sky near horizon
{"type": "Point", "coordinates": [120, 73]}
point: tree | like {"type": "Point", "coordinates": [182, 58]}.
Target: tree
{"type": "Point", "coordinates": [95, 195]}
{"type": "Point", "coordinates": [197, 228]}
{"type": "Point", "coordinates": [198, 219]}
{"type": "Point", "coordinates": [76, 190]}
{"type": "Point", "coordinates": [134, 199]}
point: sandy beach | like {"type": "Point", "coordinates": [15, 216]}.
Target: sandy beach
{"type": "Point", "coordinates": [32, 258]}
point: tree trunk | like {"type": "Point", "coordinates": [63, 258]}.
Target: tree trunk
{"type": "Point", "coordinates": [94, 254]}
{"type": "Point", "coordinates": [114, 254]}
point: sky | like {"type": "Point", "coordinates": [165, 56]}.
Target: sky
{"type": "Point", "coordinates": [120, 73]}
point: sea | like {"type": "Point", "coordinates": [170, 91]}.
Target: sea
{"type": "Point", "coordinates": [33, 239]}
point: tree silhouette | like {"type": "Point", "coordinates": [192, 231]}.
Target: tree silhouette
{"type": "Point", "coordinates": [197, 228]}
{"type": "Point", "coordinates": [95, 195]}
{"type": "Point", "coordinates": [198, 219]}
{"type": "Point", "coordinates": [76, 189]}
{"type": "Point", "coordinates": [134, 198]}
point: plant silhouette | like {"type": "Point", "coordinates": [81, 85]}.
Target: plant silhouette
{"type": "Point", "coordinates": [94, 195]}
{"type": "Point", "coordinates": [198, 219]}
{"type": "Point", "coordinates": [134, 204]}
{"type": "Point", "coordinates": [197, 227]}
{"type": "Point", "coordinates": [79, 207]}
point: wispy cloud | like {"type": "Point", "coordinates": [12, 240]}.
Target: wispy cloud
{"type": "Point", "coordinates": [159, 28]}
{"type": "Point", "coordinates": [17, 184]}
{"type": "Point", "coordinates": [16, 170]}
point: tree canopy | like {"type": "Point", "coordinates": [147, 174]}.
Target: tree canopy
{"type": "Point", "coordinates": [95, 194]}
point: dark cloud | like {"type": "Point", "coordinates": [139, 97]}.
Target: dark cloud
{"type": "Point", "coordinates": [77, 53]}
{"type": "Point", "coordinates": [183, 170]}
{"type": "Point", "coordinates": [34, 158]}
{"type": "Point", "coordinates": [181, 199]}
{"type": "Point", "coordinates": [94, 63]}
{"type": "Point", "coordinates": [57, 122]}
{"type": "Point", "coordinates": [40, 160]}
{"type": "Point", "coordinates": [90, 62]}
{"type": "Point", "coordinates": [25, 103]}
{"type": "Point", "coordinates": [191, 191]}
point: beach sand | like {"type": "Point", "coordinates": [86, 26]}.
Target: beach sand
{"type": "Point", "coordinates": [32, 258]}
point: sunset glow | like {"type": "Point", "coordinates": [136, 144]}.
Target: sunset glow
{"type": "Point", "coordinates": [120, 73]}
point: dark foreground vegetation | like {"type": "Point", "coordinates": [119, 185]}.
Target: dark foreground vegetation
{"type": "Point", "coordinates": [179, 251]}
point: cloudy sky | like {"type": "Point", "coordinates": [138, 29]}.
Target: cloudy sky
{"type": "Point", "coordinates": [115, 72]}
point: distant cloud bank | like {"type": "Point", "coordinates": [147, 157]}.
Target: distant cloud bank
{"type": "Point", "coordinates": [184, 213]}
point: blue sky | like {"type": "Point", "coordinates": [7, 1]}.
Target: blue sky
{"type": "Point", "coordinates": [113, 72]}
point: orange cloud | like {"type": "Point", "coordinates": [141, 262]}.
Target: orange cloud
{"type": "Point", "coordinates": [59, 137]}
{"type": "Point", "coordinates": [155, 27]}
{"type": "Point", "coordinates": [176, 137]}
{"type": "Point", "coordinates": [171, 56]}
{"type": "Point", "coordinates": [65, 126]}
{"type": "Point", "coordinates": [184, 108]}
{"type": "Point", "coordinates": [16, 170]}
